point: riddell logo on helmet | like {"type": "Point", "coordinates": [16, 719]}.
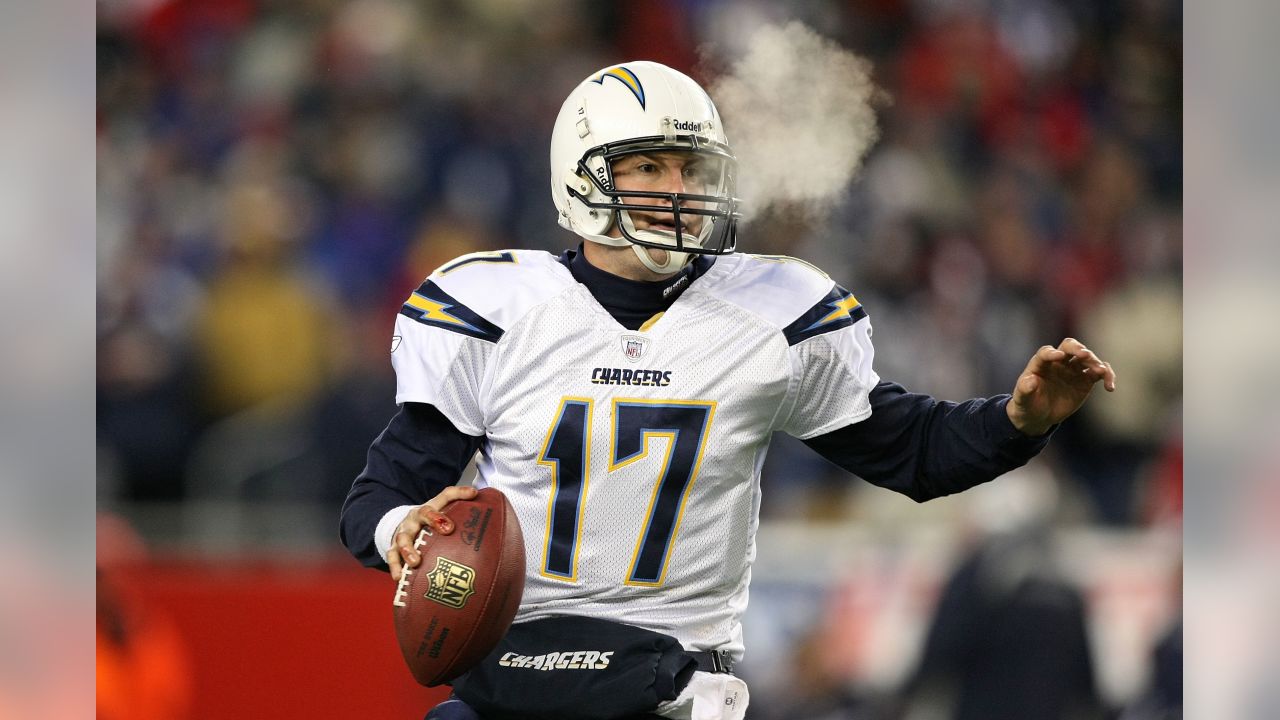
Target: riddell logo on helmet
{"type": "Point", "coordinates": [688, 125]}
{"type": "Point", "coordinates": [604, 178]}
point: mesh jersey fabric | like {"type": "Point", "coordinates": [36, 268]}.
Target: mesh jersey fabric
{"type": "Point", "coordinates": [632, 458]}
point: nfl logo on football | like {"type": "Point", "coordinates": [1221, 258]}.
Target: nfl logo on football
{"type": "Point", "coordinates": [633, 347]}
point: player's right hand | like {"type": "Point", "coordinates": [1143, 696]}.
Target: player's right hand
{"type": "Point", "coordinates": [428, 513]}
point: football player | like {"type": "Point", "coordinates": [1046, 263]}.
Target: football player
{"type": "Point", "coordinates": [622, 395]}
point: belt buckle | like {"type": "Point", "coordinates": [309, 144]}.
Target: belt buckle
{"type": "Point", "coordinates": [720, 661]}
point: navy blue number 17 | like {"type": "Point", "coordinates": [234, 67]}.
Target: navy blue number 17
{"type": "Point", "coordinates": [633, 423]}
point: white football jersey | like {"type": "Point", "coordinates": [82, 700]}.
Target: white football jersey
{"type": "Point", "coordinates": [632, 458]}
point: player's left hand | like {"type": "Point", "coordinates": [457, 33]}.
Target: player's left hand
{"type": "Point", "coordinates": [1055, 384]}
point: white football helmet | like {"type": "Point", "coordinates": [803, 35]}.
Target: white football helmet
{"type": "Point", "coordinates": [639, 107]}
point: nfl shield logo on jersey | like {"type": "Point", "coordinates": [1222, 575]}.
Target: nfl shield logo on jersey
{"type": "Point", "coordinates": [633, 346]}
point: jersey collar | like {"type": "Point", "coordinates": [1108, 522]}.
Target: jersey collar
{"type": "Point", "coordinates": [632, 302]}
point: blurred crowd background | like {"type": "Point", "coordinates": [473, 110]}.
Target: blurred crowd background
{"type": "Point", "coordinates": [275, 177]}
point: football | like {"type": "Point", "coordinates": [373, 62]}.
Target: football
{"type": "Point", "coordinates": [453, 608]}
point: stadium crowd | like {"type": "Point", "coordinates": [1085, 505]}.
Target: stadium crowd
{"type": "Point", "coordinates": [275, 176]}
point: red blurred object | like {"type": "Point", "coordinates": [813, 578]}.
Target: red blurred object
{"type": "Point", "coordinates": [289, 642]}
{"type": "Point", "coordinates": [175, 33]}
{"type": "Point", "coordinates": [143, 665]}
{"type": "Point", "coordinates": [1164, 500]}
{"type": "Point", "coordinates": [640, 23]}
{"type": "Point", "coordinates": [959, 66]}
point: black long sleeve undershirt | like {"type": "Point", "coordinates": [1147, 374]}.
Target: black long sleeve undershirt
{"type": "Point", "coordinates": [926, 448]}
{"type": "Point", "coordinates": [418, 455]}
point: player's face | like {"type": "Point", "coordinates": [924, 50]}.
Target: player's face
{"type": "Point", "coordinates": [666, 172]}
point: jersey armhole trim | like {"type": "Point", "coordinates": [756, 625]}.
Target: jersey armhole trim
{"type": "Point", "coordinates": [837, 424]}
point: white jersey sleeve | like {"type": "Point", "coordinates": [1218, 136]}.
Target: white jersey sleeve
{"type": "Point", "coordinates": [827, 333]}
{"type": "Point", "coordinates": [448, 330]}
{"type": "Point", "coordinates": [832, 353]}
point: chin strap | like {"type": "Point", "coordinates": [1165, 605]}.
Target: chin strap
{"type": "Point", "coordinates": [675, 260]}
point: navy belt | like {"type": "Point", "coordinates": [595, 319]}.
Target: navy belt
{"type": "Point", "coordinates": [713, 661]}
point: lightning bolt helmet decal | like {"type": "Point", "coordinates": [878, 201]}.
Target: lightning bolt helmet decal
{"type": "Point", "coordinates": [626, 77]}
